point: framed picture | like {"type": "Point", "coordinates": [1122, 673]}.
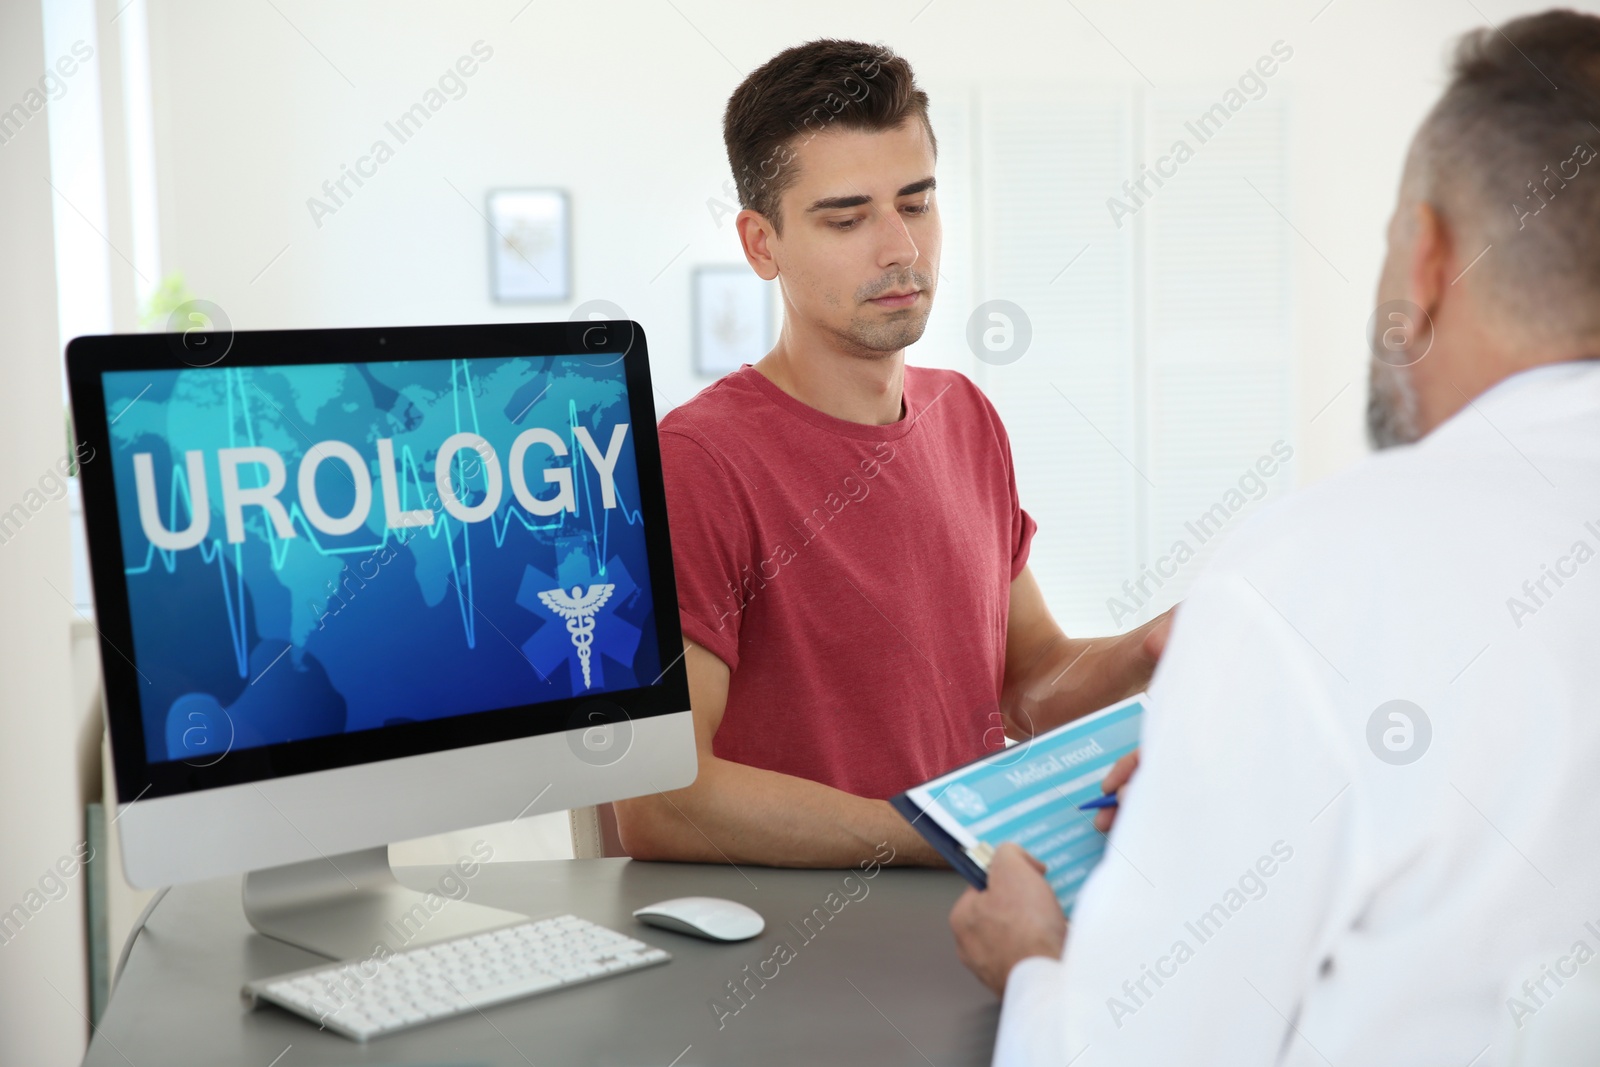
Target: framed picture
{"type": "Point", "coordinates": [732, 319]}
{"type": "Point", "coordinates": [530, 242]}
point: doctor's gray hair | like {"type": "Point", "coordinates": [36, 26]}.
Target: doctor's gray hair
{"type": "Point", "coordinates": [1510, 157]}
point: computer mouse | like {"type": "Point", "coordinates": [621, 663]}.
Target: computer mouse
{"type": "Point", "coordinates": [712, 918]}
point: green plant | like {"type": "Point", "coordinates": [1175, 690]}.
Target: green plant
{"type": "Point", "coordinates": [169, 294]}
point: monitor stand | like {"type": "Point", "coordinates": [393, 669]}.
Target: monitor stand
{"type": "Point", "coordinates": [345, 906]}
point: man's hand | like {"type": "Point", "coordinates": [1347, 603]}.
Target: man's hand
{"type": "Point", "coordinates": [1052, 679]}
{"type": "Point", "coordinates": [1155, 643]}
{"type": "Point", "coordinates": [1016, 917]}
{"type": "Point", "coordinates": [1117, 777]}
{"type": "Point", "coordinates": [1156, 631]}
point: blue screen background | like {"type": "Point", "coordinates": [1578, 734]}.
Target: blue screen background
{"type": "Point", "coordinates": [277, 639]}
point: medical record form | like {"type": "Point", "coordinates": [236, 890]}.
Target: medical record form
{"type": "Point", "coordinates": [1029, 794]}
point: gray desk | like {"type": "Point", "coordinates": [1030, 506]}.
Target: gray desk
{"type": "Point", "coordinates": [879, 983]}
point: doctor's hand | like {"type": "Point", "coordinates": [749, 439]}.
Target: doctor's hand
{"type": "Point", "coordinates": [1016, 917]}
{"type": "Point", "coordinates": [1117, 777]}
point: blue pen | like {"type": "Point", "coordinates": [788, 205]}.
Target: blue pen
{"type": "Point", "coordinates": [1107, 801]}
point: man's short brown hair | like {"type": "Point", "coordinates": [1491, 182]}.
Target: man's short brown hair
{"type": "Point", "coordinates": [803, 91]}
{"type": "Point", "coordinates": [1508, 157]}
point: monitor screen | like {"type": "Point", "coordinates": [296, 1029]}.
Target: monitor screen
{"type": "Point", "coordinates": [356, 549]}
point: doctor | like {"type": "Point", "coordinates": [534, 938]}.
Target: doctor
{"type": "Point", "coordinates": [1364, 830]}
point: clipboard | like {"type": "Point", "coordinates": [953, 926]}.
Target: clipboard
{"type": "Point", "coordinates": [1028, 794]}
{"type": "Point", "coordinates": [971, 864]}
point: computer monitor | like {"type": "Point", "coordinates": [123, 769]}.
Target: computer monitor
{"type": "Point", "coordinates": [358, 586]}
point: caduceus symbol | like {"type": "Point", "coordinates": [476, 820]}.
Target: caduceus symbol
{"type": "Point", "coordinates": [578, 608]}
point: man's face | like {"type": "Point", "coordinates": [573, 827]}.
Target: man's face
{"type": "Point", "coordinates": [858, 258]}
{"type": "Point", "coordinates": [1391, 390]}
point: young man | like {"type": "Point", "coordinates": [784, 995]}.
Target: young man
{"type": "Point", "coordinates": [1364, 829]}
{"type": "Point", "coordinates": [850, 552]}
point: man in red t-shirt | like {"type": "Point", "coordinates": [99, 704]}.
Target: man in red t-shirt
{"type": "Point", "coordinates": [850, 552]}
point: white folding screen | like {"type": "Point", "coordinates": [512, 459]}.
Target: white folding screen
{"type": "Point", "coordinates": [1217, 330]}
{"type": "Point", "coordinates": [1156, 379]}
{"type": "Point", "coordinates": [1047, 161]}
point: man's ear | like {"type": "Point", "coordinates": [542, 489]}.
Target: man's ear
{"type": "Point", "coordinates": [1432, 259]}
{"type": "Point", "coordinates": [756, 237]}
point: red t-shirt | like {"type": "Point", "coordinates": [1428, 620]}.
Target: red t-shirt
{"type": "Point", "coordinates": [855, 579]}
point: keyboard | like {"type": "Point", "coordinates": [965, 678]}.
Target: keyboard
{"type": "Point", "coordinates": [381, 994]}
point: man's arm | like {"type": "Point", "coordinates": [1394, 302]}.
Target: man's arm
{"type": "Point", "coordinates": [1052, 678]}
{"type": "Point", "coordinates": [733, 813]}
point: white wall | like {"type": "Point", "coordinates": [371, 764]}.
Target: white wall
{"type": "Point", "coordinates": [43, 992]}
